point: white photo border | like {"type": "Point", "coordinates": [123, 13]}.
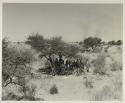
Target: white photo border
{"type": "Point", "coordinates": [62, 1]}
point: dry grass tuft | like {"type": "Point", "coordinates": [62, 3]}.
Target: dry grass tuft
{"type": "Point", "coordinates": [88, 82]}
{"type": "Point", "coordinates": [115, 66]}
{"type": "Point", "coordinates": [99, 64]}
{"type": "Point", "coordinates": [110, 92]}
{"type": "Point", "coordinates": [53, 89]}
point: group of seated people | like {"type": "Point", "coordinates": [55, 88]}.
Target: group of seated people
{"type": "Point", "coordinates": [61, 66]}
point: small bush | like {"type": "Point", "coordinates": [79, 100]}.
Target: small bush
{"type": "Point", "coordinates": [53, 89]}
{"type": "Point", "coordinates": [28, 91]}
{"type": "Point", "coordinates": [31, 91]}
{"type": "Point", "coordinates": [99, 64]}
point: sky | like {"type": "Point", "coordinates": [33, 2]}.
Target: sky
{"type": "Point", "coordinates": [74, 22]}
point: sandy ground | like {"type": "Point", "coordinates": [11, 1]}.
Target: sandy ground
{"type": "Point", "coordinates": [71, 88]}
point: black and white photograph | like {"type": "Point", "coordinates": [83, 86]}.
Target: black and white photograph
{"type": "Point", "coordinates": [62, 52]}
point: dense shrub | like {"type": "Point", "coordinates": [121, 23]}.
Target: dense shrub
{"type": "Point", "coordinates": [15, 63]}
{"type": "Point", "coordinates": [92, 42]}
{"type": "Point", "coordinates": [52, 49]}
{"type": "Point", "coordinates": [28, 94]}
{"type": "Point", "coordinates": [10, 96]}
{"type": "Point", "coordinates": [113, 42]}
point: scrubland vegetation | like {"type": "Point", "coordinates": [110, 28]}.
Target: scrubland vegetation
{"type": "Point", "coordinates": [51, 69]}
